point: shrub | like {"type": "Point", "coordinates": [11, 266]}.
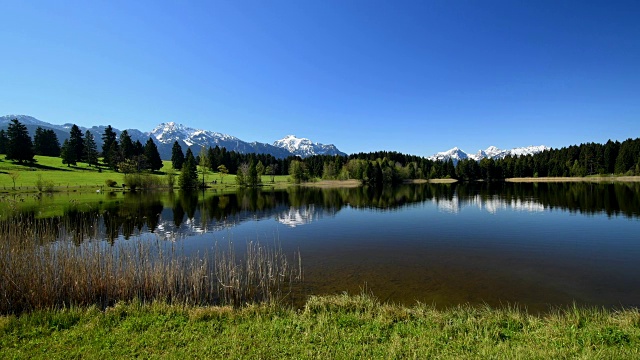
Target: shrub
{"type": "Point", "coordinates": [44, 185]}
{"type": "Point", "coordinates": [110, 183]}
{"type": "Point", "coordinates": [142, 181]}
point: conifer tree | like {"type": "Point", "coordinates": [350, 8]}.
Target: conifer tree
{"type": "Point", "coordinates": [3, 142]}
{"type": "Point", "coordinates": [45, 142]}
{"type": "Point", "coordinates": [67, 153]}
{"type": "Point", "coordinates": [108, 138]}
{"type": "Point", "coordinates": [126, 146]}
{"type": "Point", "coordinates": [19, 145]}
{"type": "Point", "coordinates": [76, 143]}
{"type": "Point", "coordinates": [152, 155]}
{"type": "Point", "coordinates": [177, 156]}
{"type": "Point", "coordinates": [90, 149]}
{"type": "Point", "coordinates": [188, 179]}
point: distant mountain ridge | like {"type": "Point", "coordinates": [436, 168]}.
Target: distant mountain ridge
{"type": "Point", "coordinates": [165, 134]}
{"type": "Point", "coordinates": [491, 152]}
{"type": "Point", "coordinates": [305, 147]}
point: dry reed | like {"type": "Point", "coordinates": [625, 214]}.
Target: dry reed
{"type": "Point", "coordinates": [44, 267]}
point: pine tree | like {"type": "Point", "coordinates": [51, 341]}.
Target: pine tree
{"type": "Point", "coordinates": [126, 145]}
{"type": "Point", "coordinates": [108, 138]}
{"type": "Point", "coordinates": [113, 156]}
{"type": "Point", "coordinates": [152, 155]}
{"type": "Point", "coordinates": [90, 149]}
{"type": "Point", "coordinates": [19, 145]}
{"type": "Point", "coordinates": [37, 141]}
{"type": "Point", "coordinates": [45, 142]}
{"type": "Point", "coordinates": [211, 159]}
{"type": "Point", "coordinates": [138, 149]}
{"type": "Point", "coordinates": [177, 156]}
{"type": "Point", "coordinates": [67, 153]}
{"type": "Point", "coordinates": [188, 179]}
{"type": "Point", "coordinates": [76, 143]}
{"type": "Point", "coordinates": [3, 142]}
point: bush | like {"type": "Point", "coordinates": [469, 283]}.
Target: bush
{"type": "Point", "coordinates": [44, 185]}
{"type": "Point", "coordinates": [110, 183]}
{"type": "Point", "coordinates": [142, 181]}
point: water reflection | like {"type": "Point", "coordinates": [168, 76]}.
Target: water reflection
{"type": "Point", "coordinates": [173, 216]}
{"type": "Point", "coordinates": [441, 243]}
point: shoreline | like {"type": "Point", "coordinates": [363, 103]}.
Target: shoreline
{"type": "Point", "coordinates": [575, 179]}
{"type": "Point", "coordinates": [328, 184]}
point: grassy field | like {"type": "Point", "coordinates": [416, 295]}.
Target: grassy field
{"type": "Point", "coordinates": [87, 178]}
{"type": "Point", "coordinates": [330, 327]}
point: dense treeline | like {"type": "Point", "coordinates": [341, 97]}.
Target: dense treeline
{"type": "Point", "coordinates": [577, 160]}
{"type": "Point", "coordinates": [392, 167]}
{"type": "Point", "coordinates": [375, 168]}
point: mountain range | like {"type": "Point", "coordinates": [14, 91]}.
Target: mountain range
{"type": "Point", "coordinates": [491, 152]}
{"type": "Point", "coordinates": [165, 134]}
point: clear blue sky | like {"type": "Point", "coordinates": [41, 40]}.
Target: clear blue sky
{"type": "Point", "coordinates": [411, 76]}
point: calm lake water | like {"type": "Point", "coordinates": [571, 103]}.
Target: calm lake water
{"type": "Point", "coordinates": [536, 245]}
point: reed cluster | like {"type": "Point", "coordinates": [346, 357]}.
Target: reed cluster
{"type": "Point", "coordinates": [43, 268]}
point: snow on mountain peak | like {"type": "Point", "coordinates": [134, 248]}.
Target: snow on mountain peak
{"type": "Point", "coordinates": [304, 147]}
{"type": "Point", "coordinates": [491, 152]}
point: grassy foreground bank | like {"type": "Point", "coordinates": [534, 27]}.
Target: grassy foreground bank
{"type": "Point", "coordinates": [339, 326]}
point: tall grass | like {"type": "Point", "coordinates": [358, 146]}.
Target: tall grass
{"type": "Point", "coordinates": [41, 268]}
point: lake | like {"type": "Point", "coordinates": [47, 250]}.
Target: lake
{"type": "Point", "coordinates": [536, 245]}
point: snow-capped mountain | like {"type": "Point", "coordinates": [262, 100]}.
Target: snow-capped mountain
{"type": "Point", "coordinates": [304, 147]}
{"type": "Point", "coordinates": [454, 154]}
{"type": "Point", "coordinates": [165, 134]}
{"type": "Point", "coordinates": [491, 152]}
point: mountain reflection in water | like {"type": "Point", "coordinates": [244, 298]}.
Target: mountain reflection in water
{"type": "Point", "coordinates": [532, 244]}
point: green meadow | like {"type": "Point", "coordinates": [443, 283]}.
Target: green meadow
{"type": "Point", "coordinates": [51, 170]}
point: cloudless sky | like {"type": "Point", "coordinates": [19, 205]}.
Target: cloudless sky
{"type": "Point", "coordinates": [411, 76]}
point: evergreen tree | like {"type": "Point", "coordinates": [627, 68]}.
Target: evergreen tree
{"type": "Point", "coordinates": [3, 142]}
{"type": "Point", "coordinates": [90, 149]}
{"type": "Point", "coordinates": [67, 153]}
{"type": "Point", "coordinates": [177, 156]}
{"type": "Point", "coordinates": [126, 146]}
{"type": "Point", "coordinates": [37, 141]}
{"type": "Point", "coordinates": [188, 179]}
{"type": "Point", "coordinates": [138, 149]}
{"type": "Point", "coordinates": [19, 145]}
{"type": "Point", "coordinates": [189, 156]}
{"type": "Point", "coordinates": [108, 139]}
{"type": "Point", "coordinates": [76, 143]}
{"type": "Point", "coordinates": [211, 157]}
{"type": "Point", "coordinates": [152, 155]}
{"type": "Point", "coordinates": [113, 156]}
{"type": "Point", "coordinates": [45, 142]}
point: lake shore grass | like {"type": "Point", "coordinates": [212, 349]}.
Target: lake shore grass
{"type": "Point", "coordinates": [46, 265]}
{"type": "Point", "coordinates": [333, 327]}
{"type": "Point", "coordinates": [596, 178]}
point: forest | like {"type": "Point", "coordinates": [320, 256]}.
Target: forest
{"type": "Point", "coordinates": [374, 168]}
